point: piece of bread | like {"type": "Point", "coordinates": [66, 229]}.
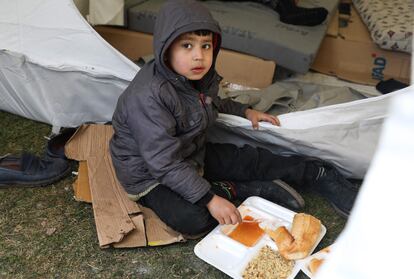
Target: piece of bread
{"type": "Point", "coordinates": [314, 265]}
{"type": "Point", "coordinates": [282, 238]}
{"type": "Point", "coordinates": [305, 232]}
{"type": "Point", "coordinates": [327, 249]}
{"type": "Point", "coordinates": [299, 242]}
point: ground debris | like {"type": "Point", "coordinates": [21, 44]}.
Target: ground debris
{"type": "Point", "coordinates": [18, 228]}
{"type": "Point", "coordinates": [50, 231]}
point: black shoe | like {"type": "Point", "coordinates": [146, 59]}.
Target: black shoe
{"type": "Point", "coordinates": [56, 145]}
{"type": "Point", "coordinates": [329, 183]}
{"type": "Point", "coordinates": [291, 14]}
{"type": "Point", "coordinates": [30, 170]}
{"type": "Point", "coordinates": [275, 191]}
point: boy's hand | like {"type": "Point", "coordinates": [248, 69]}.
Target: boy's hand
{"type": "Point", "coordinates": [223, 211]}
{"type": "Point", "coordinates": [255, 116]}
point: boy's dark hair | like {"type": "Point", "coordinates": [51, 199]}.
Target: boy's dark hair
{"type": "Point", "coordinates": [202, 32]}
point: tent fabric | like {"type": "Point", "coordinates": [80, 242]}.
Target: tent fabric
{"type": "Point", "coordinates": [344, 134]}
{"type": "Point", "coordinates": [377, 242]}
{"type": "Point", "coordinates": [56, 69]}
{"type": "Point", "coordinates": [50, 56]}
{"type": "Point", "coordinates": [59, 98]}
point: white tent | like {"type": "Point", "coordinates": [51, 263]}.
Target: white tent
{"type": "Point", "coordinates": [346, 134]}
{"type": "Point", "coordinates": [377, 242]}
{"type": "Point", "coordinates": [56, 69]}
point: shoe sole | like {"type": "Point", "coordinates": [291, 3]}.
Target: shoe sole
{"type": "Point", "coordinates": [291, 191]}
{"type": "Point", "coordinates": [33, 184]}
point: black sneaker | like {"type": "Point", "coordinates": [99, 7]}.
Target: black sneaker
{"type": "Point", "coordinates": [224, 189]}
{"type": "Point", "coordinates": [332, 185]}
{"type": "Point", "coordinates": [275, 191]}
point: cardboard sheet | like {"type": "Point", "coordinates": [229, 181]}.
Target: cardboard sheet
{"type": "Point", "coordinates": [333, 27]}
{"type": "Point", "coordinates": [81, 189]}
{"type": "Point", "coordinates": [353, 56]}
{"type": "Point", "coordinates": [119, 221]}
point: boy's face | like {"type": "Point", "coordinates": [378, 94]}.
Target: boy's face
{"type": "Point", "coordinates": [191, 55]}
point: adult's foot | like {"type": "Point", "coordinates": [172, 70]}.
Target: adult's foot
{"type": "Point", "coordinates": [29, 170]}
{"type": "Point", "coordinates": [326, 180]}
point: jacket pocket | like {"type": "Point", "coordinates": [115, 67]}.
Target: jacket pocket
{"type": "Point", "coordinates": [190, 121]}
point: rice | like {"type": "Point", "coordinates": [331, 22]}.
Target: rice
{"type": "Point", "coordinates": [268, 264]}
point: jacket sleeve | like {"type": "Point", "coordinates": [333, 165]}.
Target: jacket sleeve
{"type": "Point", "coordinates": [153, 128]}
{"type": "Point", "coordinates": [229, 106]}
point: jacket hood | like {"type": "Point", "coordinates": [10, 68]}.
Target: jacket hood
{"type": "Point", "coordinates": [175, 18]}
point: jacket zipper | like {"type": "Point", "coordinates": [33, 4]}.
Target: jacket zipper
{"type": "Point", "coordinates": [201, 96]}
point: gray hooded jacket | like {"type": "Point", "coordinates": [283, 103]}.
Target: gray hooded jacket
{"type": "Point", "coordinates": [160, 120]}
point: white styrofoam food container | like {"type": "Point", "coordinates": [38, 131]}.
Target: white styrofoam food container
{"type": "Point", "coordinates": [232, 257]}
{"type": "Point", "coordinates": [321, 254]}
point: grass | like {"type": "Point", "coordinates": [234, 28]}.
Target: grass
{"type": "Point", "coordinates": [45, 233]}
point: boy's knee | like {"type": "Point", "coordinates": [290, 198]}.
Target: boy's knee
{"type": "Point", "coordinates": [195, 221]}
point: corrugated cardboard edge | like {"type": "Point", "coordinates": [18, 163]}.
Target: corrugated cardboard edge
{"type": "Point", "coordinates": [158, 233]}
{"type": "Point", "coordinates": [119, 221]}
{"type": "Point", "coordinates": [111, 214]}
{"type": "Point", "coordinates": [76, 144]}
{"type": "Point", "coordinates": [81, 189]}
{"type": "Point", "coordinates": [333, 27]}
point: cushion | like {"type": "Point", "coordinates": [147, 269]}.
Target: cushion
{"type": "Point", "coordinates": [390, 22]}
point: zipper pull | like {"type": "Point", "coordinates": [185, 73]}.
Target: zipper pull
{"type": "Point", "coordinates": [202, 99]}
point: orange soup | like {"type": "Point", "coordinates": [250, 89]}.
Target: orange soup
{"type": "Point", "coordinates": [247, 233]}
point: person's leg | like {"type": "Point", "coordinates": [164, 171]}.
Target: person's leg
{"type": "Point", "coordinates": [179, 214]}
{"type": "Point", "coordinates": [290, 13]}
{"type": "Point", "coordinates": [247, 163]}
{"type": "Point", "coordinates": [228, 162]}
{"type": "Point", "coordinates": [248, 171]}
{"type": "Point", "coordinates": [326, 180]}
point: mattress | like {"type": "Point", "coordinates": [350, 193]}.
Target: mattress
{"type": "Point", "coordinates": [253, 29]}
{"type": "Point", "coordinates": [390, 22]}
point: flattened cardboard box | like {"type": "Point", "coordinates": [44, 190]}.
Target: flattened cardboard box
{"type": "Point", "coordinates": [233, 66]}
{"type": "Point", "coordinates": [353, 56]}
{"type": "Point", "coordinates": [119, 221]}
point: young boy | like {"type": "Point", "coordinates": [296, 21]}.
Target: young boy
{"type": "Point", "coordinates": [159, 149]}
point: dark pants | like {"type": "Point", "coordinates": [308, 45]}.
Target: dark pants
{"type": "Point", "coordinates": [270, 3]}
{"type": "Point", "coordinates": [222, 162]}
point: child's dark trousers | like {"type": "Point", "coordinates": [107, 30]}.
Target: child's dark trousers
{"type": "Point", "coordinates": [223, 162]}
